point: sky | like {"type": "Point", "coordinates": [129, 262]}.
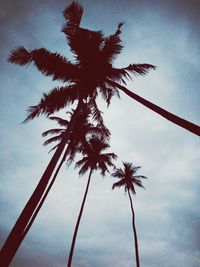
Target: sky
{"type": "Point", "coordinates": [162, 33]}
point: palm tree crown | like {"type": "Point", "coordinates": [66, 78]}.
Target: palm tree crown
{"type": "Point", "coordinates": [94, 158]}
{"type": "Point", "coordinates": [94, 55]}
{"type": "Point", "coordinates": [79, 135]}
{"type": "Point", "coordinates": [128, 177]}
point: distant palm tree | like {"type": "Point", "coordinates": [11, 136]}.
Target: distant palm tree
{"type": "Point", "coordinates": [94, 159]}
{"type": "Point", "coordinates": [75, 142]}
{"type": "Point", "coordinates": [129, 180]}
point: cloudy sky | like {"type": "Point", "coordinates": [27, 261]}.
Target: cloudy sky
{"type": "Point", "coordinates": [163, 33]}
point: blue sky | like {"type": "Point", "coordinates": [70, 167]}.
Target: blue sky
{"type": "Point", "coordinates": [167, 212]}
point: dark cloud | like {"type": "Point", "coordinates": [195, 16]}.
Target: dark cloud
{"type": "Point", "coordinates": [188, 10]}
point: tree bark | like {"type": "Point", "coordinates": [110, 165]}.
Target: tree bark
{"type": "Point", "coordinates": [78, 222]}
{"type": "Point", "coordinates": [14, 239]}
{"type": "Point", "coordinates": [134, 233]}
{"type": "Point", "coordinates": [193, 128]}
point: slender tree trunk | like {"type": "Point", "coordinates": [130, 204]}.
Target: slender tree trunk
{"type": "Point", "coordinates": [78, 222]}
{"type": "Point", "coordinates": [14, 239]}
{"type": "Point", "coordinates": [45, 194]}
{"type": "Point", "coordinates": [134, 232]}
{"type": "Point", "coordinates": [193, 128]}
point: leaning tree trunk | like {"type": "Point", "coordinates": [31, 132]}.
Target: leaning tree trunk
{"type": "Point", "coordinates": [14, 239]}
{"type": "Point", "coordinates": [193, 128]}
{"type": "Point", "coordinates": [134, 232]}
{"type": "Point", "coordinates": [45, 194]}
{"type": "Point", "coordinates": [78, 222]}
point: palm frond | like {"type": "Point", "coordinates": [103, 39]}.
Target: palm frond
{"type": "Point", "coordinates": [118, 174]}
{"type": "Point", "coordinates": [103, 161]}
{"type": "Point", "coordinates": [72, 153]}
{"type": "Point", "coordinates": [138, 183]}
{"type": "Point", "coordinates": [105, 132]}
{"type": "Point", "coordinates": [59, 120]}
{"type": "Point", "coordinates": [53, 131]}
{"type": "Point", "coordinates": [118, 31]}
{"type": "Point", "coordinates": [112, 46]}
{"type": "Point", "coordinates": [55, 65]}
{"type": "Point", "coordinates": [53, 101]}
{"type": "Point", "coordinates": [118, 184]}
{"type": "Point", "coordinates": [50, 64]}
{"type": "Point", "coordinates": [83, 164]}
{"type": "Point", "coordinates": [53, 148]}
{"type": "Point", "coordinates": [53, 139]}
{"type": "Point", "coordinates": [84, 168]}
{"type": "Point", "coordinates": [118, 75]}
{"type": "Point", "coordinates": [72, 14]}
{"type": "Point", "coordinates": [108, 90]}
{"type": "Point", "coordinates": [130, 168]}
{"type": "Point", "coordinates": [121, 74]}
{"type": "Point", "coordinates": [102, 168]}
{"type": "Point", "coordinates": [98, 145]}
{"type": "Point", "coordinates": [130, 187]}
{"type": "Point", "coordinates": [140, 69]}
{"type": "Point", "coordinates": [80, 162]}
{"type": "Point", "coordinates": [107, 93]}
{"type": "Point", "coordinates": [140, 176]}
{"type": "Point", "coordinates": [100, 131]}
{"type": "Point", "coordinates": [95, 112]}
{"type": "Point", "coordinates": [108, 156]}
{"type": "Point", "coordinates": [20, 56]}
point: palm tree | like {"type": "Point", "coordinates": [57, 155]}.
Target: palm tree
{"type": "Point", "coordinates": [16, 235]}
{"type": "Point", "coordinates": [84, 79]}
{"type": "Point", "coordinates": [74, 143]}
{"type": "Point", "coordinates": [129, 180]}
{"type": "Point", "coordinates": [94, 159]}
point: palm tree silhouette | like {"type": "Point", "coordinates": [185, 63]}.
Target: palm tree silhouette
{"type": "Point", "coordinates": [93, 159]}
{"type": "Point", "coordinates": [84, 79]}
{"type": "Point", "coordinates": [129, 180]}
{"type": "Point", "coordinates": [75, 142]}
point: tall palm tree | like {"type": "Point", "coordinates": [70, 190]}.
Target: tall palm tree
{"type": "Point", "coordinates": [83, 79]}
{"type": "Point", "coordinates": [16, 235]}
{"type": "Point", "coordinates": [75, 142]}
{"type": "Point", "coordinates": [129, 180]}
{"type": "Point", "coordinates": [94, 159]}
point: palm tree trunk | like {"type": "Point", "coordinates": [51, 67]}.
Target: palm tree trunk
{"type": "Point", "coordinates": [45, 194]}
{"type": "Point", "coordinates": [193, 128]}
{"type": "Point", "coordinates": [78, 222]}
{"type": "Point", "coordinates": [134, 232]}
{"type": "Point", "coordinates": [14, 239]}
